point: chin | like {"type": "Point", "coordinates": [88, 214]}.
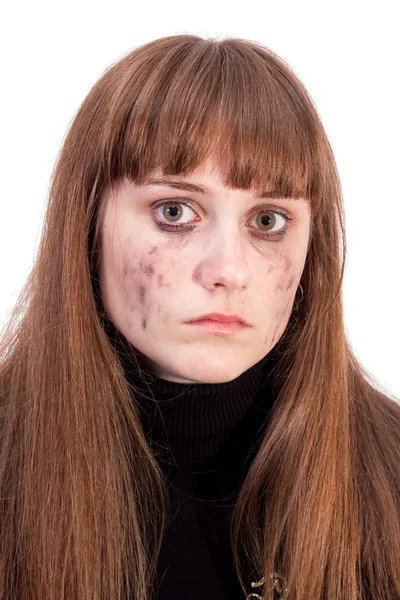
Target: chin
{"type": "Point", "coordinates": [213, 375]}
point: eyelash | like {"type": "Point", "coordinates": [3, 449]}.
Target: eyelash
{"type": "Point", "coordinates": [278, 235]}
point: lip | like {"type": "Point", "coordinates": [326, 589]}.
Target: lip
{"type": "Point", "coordinates": [218, 327]}
{"type": "Point", "coordinates": [218, 317]}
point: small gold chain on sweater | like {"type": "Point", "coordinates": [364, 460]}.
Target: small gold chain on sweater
{"type": "Point", "coordinates": [279, 587]}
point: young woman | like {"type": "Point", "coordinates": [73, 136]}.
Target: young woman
{"type": "Point", "coordinates": [181, 414]}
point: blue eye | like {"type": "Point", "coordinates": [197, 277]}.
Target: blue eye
{"type": "Point", "coordinates": [270, 223]}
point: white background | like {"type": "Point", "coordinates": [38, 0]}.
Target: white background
{"type": "Point", "coordinates": [345, 52]}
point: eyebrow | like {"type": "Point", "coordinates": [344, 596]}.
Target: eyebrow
{"type": "Point", "coordinates": [202, 189]}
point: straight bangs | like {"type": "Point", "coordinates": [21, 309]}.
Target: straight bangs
{"type": "Point", "coordinates": [178, 104]}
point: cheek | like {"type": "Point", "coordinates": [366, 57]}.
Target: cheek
{"type": "Point", "coordinates": [287, 275]}
{"type": "Point", "coordinates": [134, 278]}
{"type": "Point", "coordinates": [283, 287]}
{"type": "Point", "coordinates": [144, 280]}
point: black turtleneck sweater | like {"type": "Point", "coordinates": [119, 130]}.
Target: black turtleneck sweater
{"type": "Point", "coordinates": [204, 437]}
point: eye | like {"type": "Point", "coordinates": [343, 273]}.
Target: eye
{"type": "Point", "coordinates": [269, 223]}
{"type": "Point", "coordinates": [172, 210]}
{"type": "Point", "coordinates": [270, 220]}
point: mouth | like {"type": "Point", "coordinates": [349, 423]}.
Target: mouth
{"type": "Point", "coordinates": [219, 324]}
{"type": "Point", "coordinates": [219, 318]}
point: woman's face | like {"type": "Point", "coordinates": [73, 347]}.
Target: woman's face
{"type": "Point", "coordinates": [232, 253]}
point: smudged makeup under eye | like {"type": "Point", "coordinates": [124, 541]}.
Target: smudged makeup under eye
{"type": "Point", "coordinates": [263, 216]}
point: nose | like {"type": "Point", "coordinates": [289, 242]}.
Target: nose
{"type": "Point", "coordinates": [223, 263]}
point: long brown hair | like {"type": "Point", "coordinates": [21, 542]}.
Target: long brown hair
{"type": "Point", "coordinates": [82, 496]}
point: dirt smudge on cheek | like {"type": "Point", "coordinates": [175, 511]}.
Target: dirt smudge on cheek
{"type": "Point", "coordinates": [146, 268]}
{"type": "Point", "coordinates": [144, 278]}
{"type": "Point", "coordinates": [290, 283]}
{"type": "Point", "coordinates": [288, 263]}
{"type": "Point", "coordinates": [160, 279]}
{"type": "Point", "coordinates": [142, 293]}
{"type": "Point", "coordinates": [146, 298]}
{"type": "Point", "coordinates": [287, 277]}
{"type": "Point", "coordinates": [281, 321]}
{"type": "Point", "coordinates": [270, 268]}
{"type": "Point", "coordinates": [137, 271]}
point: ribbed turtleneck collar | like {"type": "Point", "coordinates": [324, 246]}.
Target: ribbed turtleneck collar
{"type": "Point", "coordinates": [190, 423]}
{"type": "Point", "coordinates": [196, 420]}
